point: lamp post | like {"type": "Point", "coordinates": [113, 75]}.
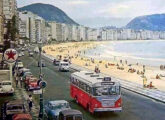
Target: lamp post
{"type": "Point", "coordinates": [41, 113]}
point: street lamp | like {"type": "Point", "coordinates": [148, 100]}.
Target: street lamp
{"type": "Point", "coordinates": [41, 79]}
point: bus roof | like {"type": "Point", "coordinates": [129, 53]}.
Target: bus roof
{"type": "Point", "coordinates": [91, 78]}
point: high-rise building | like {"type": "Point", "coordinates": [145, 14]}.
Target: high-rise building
{"type": "Point", "coordinates": [53, 33]}
{"type": "Point", "coordinates": [1, 22]}
{"type": "Point", "coordinates": [59, 31]}
{"type": "Point", "coordinates": [33, 26]}
{"type": "Point", "coordinates": [9, 9]}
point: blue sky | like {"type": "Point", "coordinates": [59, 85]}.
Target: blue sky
{"type": "Point", "coordinates": [97, 13]}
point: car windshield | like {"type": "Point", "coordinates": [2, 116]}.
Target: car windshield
{"type": "Point", "coordinates": [14, 107]}
{"type": "Point", "coordinates": [106, 90]}
{"type": "Point", "coordinates": [6, 83]}
{"type": "Point", "coordinates": [64, 64]}
{"type": "Point", "coordinates": [60, 106]}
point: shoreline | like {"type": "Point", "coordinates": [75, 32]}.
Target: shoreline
{"type": "Point", "coordinates": [121, 71]}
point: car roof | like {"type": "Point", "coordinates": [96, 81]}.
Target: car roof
{"type": "Point", "coordinates": [55, 102]}
{"type": "Point", "coordinates": [71, 112]}
{"type": "Point", "coordinates": [64, 62]}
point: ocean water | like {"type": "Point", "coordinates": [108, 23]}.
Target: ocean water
{"type": "Point", "coordinates": [146, 52]}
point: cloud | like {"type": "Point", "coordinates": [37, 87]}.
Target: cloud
{"type": "Point", "coordinates": [78, 2]}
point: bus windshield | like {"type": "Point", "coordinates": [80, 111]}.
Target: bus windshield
{"type": "Point", "coordinates": [106, 90]}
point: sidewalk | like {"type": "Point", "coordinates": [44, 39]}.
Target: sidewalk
{"type": "Point", "coordinates": [21, 93]}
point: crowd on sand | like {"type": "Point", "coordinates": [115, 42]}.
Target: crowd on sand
{"type": "Point", "coordinates": [149, 77]}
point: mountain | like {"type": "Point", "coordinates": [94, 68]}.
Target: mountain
{"type": "Point", "coordinates": [155, 22]}
{"type": "Point", "coordinates": [49, 13]}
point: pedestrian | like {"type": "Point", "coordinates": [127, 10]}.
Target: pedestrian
{"type": "Point", "coordinates": [16, 80]}
{"type": "Point", "coordinates": [21, 81]}
{"type": "Point", "coordinates": [30, 102]}
{"type": "Point", "coordinates": [144, 82]}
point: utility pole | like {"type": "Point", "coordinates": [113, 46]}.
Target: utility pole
{"type": "Point", "coordinates": [41, 112]}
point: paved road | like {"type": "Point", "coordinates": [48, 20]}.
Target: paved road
{"type": "Point", "coordinates": [135, 107]}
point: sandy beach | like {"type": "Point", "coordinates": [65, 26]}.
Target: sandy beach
{"type": "Point", "coordinates": [116, 68]}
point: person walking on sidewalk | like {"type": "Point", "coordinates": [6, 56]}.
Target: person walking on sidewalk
{"type": "Point", "coordinates": [21, 81]}
{"type": "Point", "coordinates": [16, 80]}
{"type": "Point", "coordinates": [30, 102]}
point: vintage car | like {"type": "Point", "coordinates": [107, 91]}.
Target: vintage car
{"type": "Point", "coordinates": [12, 107]}
{"type": "Point", "coordinates": [22, 117]}
{"type": "Point", "coordinates": [26, 74]}
{"type": "Point", "coordinates": [42, 63]}
{"type": "Point", "coordinates": [63, 66]}
{"type": "Point", "coordinates": [31, 54]}
{"type": "Point", "coordinates": [6, 87]}
{"type": "Point", "coordinates": [70, 114]}
{"type": "Point", "coordinates": [22, 71]}
{"type": "Point", "coordinates": [32, 84]}
{"type": "Point", "coordinates": [56, 62]}
{"type": "Point", "coordinates": [52, 108]}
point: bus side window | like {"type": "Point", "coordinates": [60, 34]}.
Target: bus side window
{"type": "Point", "coordinates": [80, 84]}
{"type": "Point", "coordinates": [87, 89]}
{"type": "Point", "coordinates": [77, 82]}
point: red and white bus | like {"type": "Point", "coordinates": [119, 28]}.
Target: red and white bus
{"type": "Point", "coordinates": [96, 93]}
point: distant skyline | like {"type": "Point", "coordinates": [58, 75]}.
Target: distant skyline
{"type": "Point", "coordinates": [99, 13]}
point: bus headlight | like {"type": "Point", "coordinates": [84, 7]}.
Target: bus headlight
{"type": "Point", "coordinates": [119, 104]}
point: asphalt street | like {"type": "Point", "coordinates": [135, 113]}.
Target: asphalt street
{"type": "Point", "coordinates": [135, 107]}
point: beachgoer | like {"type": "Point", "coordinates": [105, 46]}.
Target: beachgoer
{"type": "Point", "coordinates": [150, 85]}
{"type": "Point", "coordinates": [157, 76]}
{"type": "Point", "coordinates": [144, 82]}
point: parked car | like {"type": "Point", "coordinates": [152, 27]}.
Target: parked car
{"type": "Point", "coordinates": [52, 108]}
{"type": "Point", "coordinates": [12, 107]}
{"type": "Point", "coordinates": [22, 71]}
{"type": "Point", "coordinates": [22, 53]}
{"type": "Point", "coordinates": [19, 55]}
{"type": "Point", "coordinates": [70, 114]}
{"type": "Point", "coordinates": [64, 66]}
{"type": "Point", "coordinates": [56, 62]}
{"type": "Point", "coordinates": [6, 87]}
{"type": "Point", "coordinates": [31, 54]}
{"type": "Point", "coordinates": [22, 117]}
{"type": "Point", "coordinates": [26, 81]}
{"type": "Point", "coordinates": [26, 74]}
{"type": "Point", "coordinates": [23, 49]}
{"type": "Point", "coordinates": [42, 62]}
{"type": "Point", "coordinates": [33, 84]}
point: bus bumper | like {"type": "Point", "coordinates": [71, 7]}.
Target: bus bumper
{"type": "Point", "coordinates": [108, 109]}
